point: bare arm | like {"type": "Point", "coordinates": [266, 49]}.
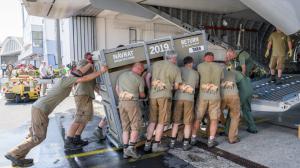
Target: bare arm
{"type": "Point", "coordinates": [269, 46]}
{"type": "Point", "coordinates": [85, 68]}
{"type": "Point", "coordinates": [244, 69]}
{"type": "Point", "coordinates": [148, 80]}
{"type": "Point", "coordinates": [117, 89]}
{"type": "Point", "coordinates": [290, 45]}
{"type": "Point", "coordinates": [91, 76]}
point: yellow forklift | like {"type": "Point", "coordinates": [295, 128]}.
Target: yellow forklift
{"type": "Point", "coordinates": [23, 88]}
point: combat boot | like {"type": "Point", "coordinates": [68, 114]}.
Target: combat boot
{"type": "Point", "coordinates": [78, 141]}
{"type": "Point", "coordinates": [70, 145]}
{"type": "Point", "coordinates": [19, 162]}
{"type": "Point", "coordinates": [131, 152]}
{"type": "Point", "coordinates": [278, 81]}
{"type": "Point", "coordinates": [186, 145]}
{"type": "Point", "coordinates": [272, 79]}
{"type": "Point", "coordinates": [147, 146]}
{"type": "Point", "coordinates": [212, 143]}
{"type": "Point", "coordinates": [172, 143]}
{"type": "Point", "coordinates": [193, 141]}
{"type": "Point", "coordinates": [99, 133]}
{"type": "Point", "coordinates": [158, 147]}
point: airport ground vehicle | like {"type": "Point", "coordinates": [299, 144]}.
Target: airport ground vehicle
{"type": "Point", "coordinates": [23, 88]}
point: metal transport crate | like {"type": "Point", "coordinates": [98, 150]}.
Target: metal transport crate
{"type": "Point", "coordinates": [121, 59]}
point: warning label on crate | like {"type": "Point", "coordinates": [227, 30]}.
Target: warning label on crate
{"type": "Point", "coordinates": [190, 42]}
{"type": "Point", "coordinates": [196, 49]}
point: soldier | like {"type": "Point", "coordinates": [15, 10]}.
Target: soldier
{"type": "Point", "coordinates": [84, 95]}
{"type": "Point", "coordinates": [278, 42]}
{"type": "Point", "coordinates": [231, 101]}
{"type": "Point", "coordinates": [209, 100]}
{"type": "Point", "coordinates": [165, 77]}
{"type": "Point", "coordinates": [130, 87]}
{"type": "Point", "coordinates": [184, 103]}
{"type": "Point", "coordinates": [241, 60]}
{"type": "Point", "coordinates": [42, 108]}
{"type": "Point", "coordinates": [245, 93]}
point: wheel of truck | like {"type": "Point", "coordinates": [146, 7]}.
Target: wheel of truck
{"type": "Point", "coordinates": [18, 99]}
{"type": "Point", "coordinates": [26, 98]}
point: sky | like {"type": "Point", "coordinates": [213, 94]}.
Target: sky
{"type": "Point", "coordinates": [10, 19]}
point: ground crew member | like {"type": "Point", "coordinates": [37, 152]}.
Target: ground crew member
{"type": "Point", "coordinates": [42, 108]}
{"type": "Point", "coordinates": [130, 87]}
{"type": "Point", "coordinates": [245, 93]}
{"type": "Point", "coordinates": [241, 59]}
{"type": "Point", "coordinates": [165, 77]}
{"type": "Point", "coordinates": [231, 101]}
{"type": "Point", "coordinates": [278, 42]}
{"type": "Point", "coordinates": [184, 103]}
{"type": "Point", "coordinates": [209, 99]}
{"type": "Point", "coordinates": [84, 95]}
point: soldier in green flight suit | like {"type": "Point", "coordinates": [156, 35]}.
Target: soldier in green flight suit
{"type": "Point", "coordinates": [245, 92]}
{"type": "Point", "coordinates": [241, 59]}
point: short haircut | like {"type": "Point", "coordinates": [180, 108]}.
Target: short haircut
{"type": "Point", "coordinates": [170, 54]}
{"type": "Point", "coordinates": [230, 49]}
{"type": "Point", "coordinates": [209, 54]}
{"type": "Point", "coordinates": [188, 60]}
{"type": "Point", "coordinates": [87, 54]}
{"type": "Point", "coordinates": [138, 64]}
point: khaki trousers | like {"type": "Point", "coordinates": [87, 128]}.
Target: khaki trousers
{"type": "Point", "coordinates": [232, 103]}
{"type": "Point", "coordinates": [37, 133]}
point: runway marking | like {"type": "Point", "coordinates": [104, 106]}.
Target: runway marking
{"type": "Point", "coordinates": [95, 152]}
{"type": "Point", "coordinates": [101, 151]}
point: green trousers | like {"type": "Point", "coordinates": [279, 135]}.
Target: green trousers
{"type": "Point", "coordinates": [247, 115]}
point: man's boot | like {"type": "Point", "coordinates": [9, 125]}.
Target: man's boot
{"type": "Point", "coordinates": [279, 81]}
{"type": "Point", "coordinates": [272, 79]}
{"type": "Point", "coordinates": [158, 147]}
{"type": "Point", "coordinates": [186, 145]}
{"type": "Point", "coordinates": [193, 141]}
{"type": "Point", "coordinates": [212, 143]}
{"type": "Point", "coordinates": [79, 141]}
{"type": "Point", "coordinates": [131, 152]}
{"type": "Point", "coordinates": [172, 143]}
{"type": "Point", "coordinates": [147, 146]}
{"type": "Point", "coordinates": [99, 133]}
{"type": "Point", "coordinates": [19, 162]}
{"type": "Point", "coordinates": [70, 145]}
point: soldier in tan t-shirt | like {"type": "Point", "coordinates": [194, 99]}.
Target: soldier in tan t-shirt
{"type": "Point", "coordinates": [231, 101]}
{"type": "Point", "coordinates": [84, 95]}
{"type": "Point", "coordinates": [130, 87]}
{"type": "Point", "coordinates": [42, 108]}
{"type": "Point", "coordinates": [209, 99]}
{"type": "Point", "coordinates": [165, 78]}
{"type": "Point", "coordinates": [279, 42]}
{"type": "Point", "coordinates": [184, 103]}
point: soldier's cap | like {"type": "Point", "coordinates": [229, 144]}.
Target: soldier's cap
{"type": "Point", "coordinates": [170, 54]}
{"type": "Point", "coordinates": [76, 73]}
{"type": "Point", "coordinates": [209, 54]}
